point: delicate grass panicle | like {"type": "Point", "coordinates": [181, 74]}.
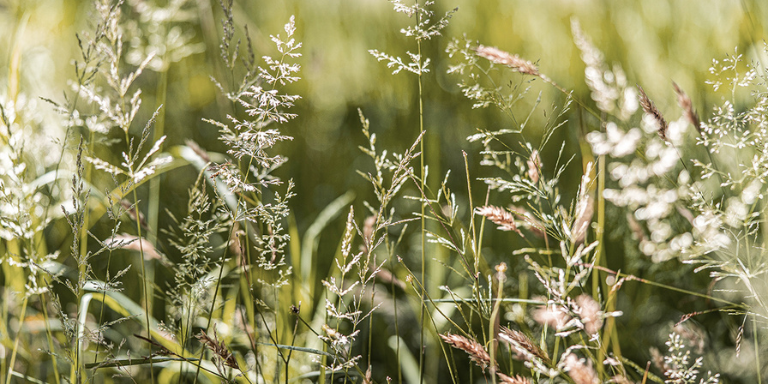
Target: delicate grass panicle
{"type": "Point", "coordinates": [499, 216]}
{"type": "Point", "coordinates": [513, 61]}
{"type": "Point", "coordinates": [105, 277]}
{"type": "Point", "coordinates": [475, 351]}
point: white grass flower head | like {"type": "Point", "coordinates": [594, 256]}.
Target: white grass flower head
{"type": "Point", "coordinates": [580, 372]}
{"type": "Point", "coordinates": [590, 314]}
{"type": "Point", "coordinates": [614, 141]}
{"type": "Point", "coordinates": [553, 315]}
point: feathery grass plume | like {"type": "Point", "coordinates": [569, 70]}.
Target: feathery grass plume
{"type": "Point", "coordinates": [168, 30]}
{"type": "Point", "coordinates": [424, 29]}
{"type": "Point", "coordinates": [650, 109]}
{"type": "Point", "coordinates": [685, 103]}
{"type": "Point", "coordinates": [504, 58]}
{"type": "Point", "coordinates": [678, 366]}
{"type": "Point", "coordinates": [552, 315]}
{"type": "Point", "coordinates": [191, 236]}
{"type": "Point", "coordinates": [589, 313]}
{"type": "Point", "coordinates": [580, 373]}
{"type": "Point", "coordinates": [524, 348]}
{"type": "Point", "coordinates": [584, 207]}
{"type": "Point", "coordinates": [353, 282]}
{"type": "Point", "coordinates": [534, 164]}
{"type": "Point", "coordinates": [474, 349]}
{"type": "Point", "coordinates": [512, 380]}
{"type": "Point", "coordinates": [609, 86]}
{"type": "Point", "coordinates": [500, 217]}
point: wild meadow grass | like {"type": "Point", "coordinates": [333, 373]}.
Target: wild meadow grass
{"type": "Point", "coordinates": [612, 235]}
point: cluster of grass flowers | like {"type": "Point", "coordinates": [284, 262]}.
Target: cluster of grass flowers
{"type": "Point", "coordinates": [520, 285]}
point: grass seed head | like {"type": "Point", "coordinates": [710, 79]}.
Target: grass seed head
{"type": "Point", "coordinates": [685, 103]}
{"type": "Point", "coordinates": [512, 380]}
{"type": "Point", "coordinates": [650, 108]}
{"type": "Point", "coordinates": [499, 216]}
{"type": "Point", "coordinates": [475, 351]}
{"type": "Point", "coordinates": [515, 62]}
{"type": "Point", "coordinates": [524, 348]}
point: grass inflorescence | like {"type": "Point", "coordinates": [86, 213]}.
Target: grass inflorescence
{"type": "Point", "coordinates": [593, 230]}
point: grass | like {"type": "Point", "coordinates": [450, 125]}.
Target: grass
{"type": "Point", "coordinates": [594, 226]}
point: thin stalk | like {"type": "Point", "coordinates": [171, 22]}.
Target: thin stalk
{"type": "Point", "coordinates": [103, 297]}
{"type": "Point", "coordinates": [144, 281]}
{"type": "Point", "coordinates": [599, 232]}
{"type": "Point", "coordinates": [423, 220]}
{"type": "Point", "coordinates": [16, 342]}
{"type": "Point", "coordinates": [221, 270]}
{"type": "Point", "coordinates": [629, 277]}
{"type": "Point", "coordinates": [757, 349]}
{"type": "Point", "coordinates": [493, 326]}
{"type": "Point", "coordinates": [153, 208]}
{"type": "Point", "coordinates": [49, 337]}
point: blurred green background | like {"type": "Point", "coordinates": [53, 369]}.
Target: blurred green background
{"type": "Point", "coordinates": [654, 41]}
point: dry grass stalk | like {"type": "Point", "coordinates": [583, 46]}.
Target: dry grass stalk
{"type": "Point", "coordinates": [589, 312]}
{"type": "Point", "coordinates": [504, 58]}
{"type": "Point", "coordinates": [500, 217]}
{"type": "Point", "coordinates": [523, 346]}
{"type": "Point", "coordinates": [685, 103]}
{"type": "Point", "coordinates": [580, 372]}
{"type": "Point", "coordinates": [474, 349]}
{"type": "Point", "coordinates": [512, 380]}
{"type": "Point", "coordinates": [650, 108]}
{"type": "Point", "coordinates": [218, 348]}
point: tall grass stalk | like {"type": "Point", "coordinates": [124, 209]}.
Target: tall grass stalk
{"type": "Point", "coordinates": [423, 176]}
